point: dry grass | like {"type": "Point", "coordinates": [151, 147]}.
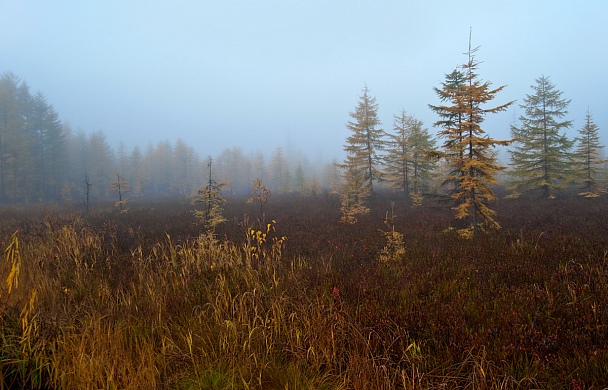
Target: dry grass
{"type": "Point", "coordinates": [114, 301]}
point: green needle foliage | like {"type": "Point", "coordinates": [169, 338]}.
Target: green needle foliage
{"type": "Point", "coordinates": [587, 157]}
{"type": "Point", "coordinates": [541, 160]}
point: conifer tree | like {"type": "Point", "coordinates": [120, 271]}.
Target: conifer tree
{"type": "Point", "coordinates": [48, 149]}
{"type": "Point", "coordinates": [212, 200]}
{"type": "Point", "coordinates": [366, 139]}
{"type": "Point", "coordinates": [471, 162]}
{"type": "Point", "coordinates": [450, 119]}
{"type": "Point", "coordinates": [407, 165]}
{"type": "Point", "coordinates": [121, 188]}
{"type": "Point", "coordinates": [587, 157]}
{"type": "Point", "coordinates": [260, 195]}
{"type": "Point", "coordinates": [541, 159]}
{"type": "Point", "coordinates": [360, 166]}
{"type": "Point", "coordinates": [354, 193]}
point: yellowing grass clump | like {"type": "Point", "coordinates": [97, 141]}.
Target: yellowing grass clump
{"type": "Point", "coordinates": [174, 315]}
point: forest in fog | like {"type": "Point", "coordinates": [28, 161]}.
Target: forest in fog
{"type": "Point", "coordinates": [44, 159]}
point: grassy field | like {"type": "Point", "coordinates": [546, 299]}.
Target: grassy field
{"type": "Point", "coordinates": [147, 299]}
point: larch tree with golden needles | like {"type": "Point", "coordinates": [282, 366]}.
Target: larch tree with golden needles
{"type": "Point", "coordinates": [120, 187]}
{"type": "Point", "coordinates": [473, 165]}
{"type": "Point", "coordinates": [366, 139]}
{"type": "Point", "coordinates": [212, 200]}
{"type": "Point", "coordinates": [451, 129]}
{"type": "Point", "coordinates": [353, 193]}
{"type": "Point", "coordinates": [362, 160]}
{"type": "Point", "coordinates": [259, 195]}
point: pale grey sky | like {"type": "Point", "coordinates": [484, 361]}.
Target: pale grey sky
{"type": "Point", "coordinates": [259, 74]}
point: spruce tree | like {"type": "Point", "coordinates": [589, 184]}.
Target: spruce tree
{"type": "Point", "coordinates": [587, 158]}
{"type": "Point", "coordinates": [472, 163]}
{"type": "Point", "coordinates": [541, 160]}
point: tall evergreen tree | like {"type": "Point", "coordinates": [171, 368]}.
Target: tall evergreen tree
{"type": "Point", "coordinates": [407, 165]}
{"type": "Point", "coordinates": [472, 164]}
{"type": "Point", "coordinates": [541, 159]}
{"type": "Point", "coordinates": [587, 157]}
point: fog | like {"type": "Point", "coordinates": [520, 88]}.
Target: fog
{"type": "Point", "coordinates": [262, 74]}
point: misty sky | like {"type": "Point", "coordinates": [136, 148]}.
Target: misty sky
{"type": "Point", "coordinates": [262, 74]}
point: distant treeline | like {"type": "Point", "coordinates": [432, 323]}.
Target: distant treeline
{"type": "Point", "coordinates": [43, 160]}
